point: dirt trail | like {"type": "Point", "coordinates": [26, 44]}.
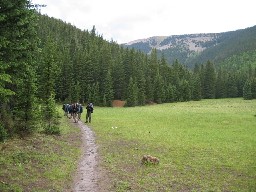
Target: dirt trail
{"type": "Point", "coordinates": [87, 176]}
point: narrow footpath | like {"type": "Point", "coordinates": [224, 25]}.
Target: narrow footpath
{"type": "Point", "coordinates": [87, 176]}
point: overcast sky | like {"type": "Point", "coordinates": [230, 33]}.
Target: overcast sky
{"type": "Point", "coordinates": [128, 20]}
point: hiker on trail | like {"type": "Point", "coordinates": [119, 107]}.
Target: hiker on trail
{"type": "Point", "coordinates": [80, 111]}
{"type": "Point", "coordinates": [70, 111]}
{"type": "Point", "coordinates": [89, 108]}
{"type": "Point", "coordinates": [65, 109]}
{"type": "Point", "coordinates": [75, 110]}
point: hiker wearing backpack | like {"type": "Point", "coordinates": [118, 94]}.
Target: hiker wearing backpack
{"type": "Point", "coordinates": [75, 111]}
{"type": "Point", "coordinates": [80, 111]}
{"type": "Point", "coordinates": [70, 111]}
{"type": "Point", "coordinates": [89, 112]}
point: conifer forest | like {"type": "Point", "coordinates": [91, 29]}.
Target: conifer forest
{"type": "Point", "coordinates": [45, 61]}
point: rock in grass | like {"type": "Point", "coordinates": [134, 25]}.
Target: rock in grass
{"type": "Point", "coordinates": [148, 159]}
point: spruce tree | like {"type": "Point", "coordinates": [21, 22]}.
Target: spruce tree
{"type": "Point", "coordinates": [95, 94]}
{"type": "Point", "coordinates": [63, 81]}
{"type": "Point", "coordinates": [141, 82]}
{"type": "Point", "coordinates": [209, 81]}
{"type": "Point", "coordinates": [184, 90]}
{"type": "Point", "coordinates": [247, 90]}
{"type": "Point", "coordinates": [253, 84]}
{"type": "Point", "coordinates": [132, 97]}
{"type": "Point", "coordinates": [232, 90]}
{"type": "Point", "coordinates": [119, 79]}
{"type": "Point", "coordinates": [221, 90]}
{"type": "Point", "coordinates": [5, 93]}
{"type": "Point", "coordinates": [18, 49]}
{"type": "Point", "coordinates": [108, 89]}
{"type": "Point", "coordinates": [47, 78]}
{"type": "Point", "coordinates": [196, 88]}
{"type": "Point", "coordinates": [159, 95]}
{"type": "Point", "coordinates": [170, 93]}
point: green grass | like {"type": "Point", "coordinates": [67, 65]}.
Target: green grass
{"type": "Point", "coordinates": [40, 162]}
{"type": "Point", "coordinates": [207, 145]}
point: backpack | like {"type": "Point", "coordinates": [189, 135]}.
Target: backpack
{"type": "Point", "coordinates": [90, 107]}
{"type": "Point", "coordinates": [80, 108]}
{"type": "Point", "coordinates": [75, 108]}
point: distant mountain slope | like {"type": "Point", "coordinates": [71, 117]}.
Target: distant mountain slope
{"type": "Point", "coordinates": [198, 48]}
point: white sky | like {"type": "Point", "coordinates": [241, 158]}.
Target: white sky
{"type": "Point", "coordinates": [128, 20]}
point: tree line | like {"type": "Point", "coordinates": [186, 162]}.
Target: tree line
{"type": "Point", "coordinates": [45, 60]}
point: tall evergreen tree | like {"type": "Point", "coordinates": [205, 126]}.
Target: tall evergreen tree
{"type": "Point", "coordinates": [4, 79]}
{"type": "Point", "coordinates": [253, 84]}
{"type": "Point", "coordinates": [95, 94]}
{"type": "Point", "coordinates": [63, 80]}
{"type": "Point", "coordinates": [108, 89]}
{"type": "Point", "coordinates": [141, 83]}
{"type": "Point", "coordinates": [196, 94]}
{"type": "Point", "coordinates": [209, 81]}
{"type": "Point", "coordinates": [47, 78]}
{"type": "Point", "coordinates": [119, 79]}
{"type": "Point", "coordinates": [159, 94]}
{"type": "Point", "coordinates": [221, 90]}
{"type": "Point", "coordinates": [247, 91]}
{"type": "Point", "coordinates": [18, 47]}
{"type": "Point", "coordinates": [232, 90]}
{"type": "Point", "coordinates": [170, 93]}
{"type": "Point", "coordinates": [184, 91]}
{"type": "Point", "coordinates": [132, 97]}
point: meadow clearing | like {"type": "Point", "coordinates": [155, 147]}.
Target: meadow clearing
{"type": "Point", "coordinates": [207, 145]}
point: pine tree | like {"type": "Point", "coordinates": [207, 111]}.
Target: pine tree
{"type": "Point", "coordinates": [141, 82]}
{"type": "Point", "coordinates": [221, 91]}
{"type": "Point", "coordinates": [247, 90]}
{"type": "Point", "coordinates": [106, 80]}
{"type": "Point", "coordinates": [253, 84]}
{"type": "Point", "coordinates": [77, 92]}
{"type": "Point", "coordinates": [108, 89]}
{"type": "Point", "coordinates": [209, 81]}
{"type": "Point", "coordinates": [196, 94]}
{"type": "Point", "coordinates": [50, 116]}
{"type": "Point", "coordinates": [184, 91]}
{"type": "Point", "coordinates": [95, 94]}
{"type": "Point", "coordinates": [119, 79]}
{"type": "Point", "coordinates": [47, 78]}
{"type": "Point", "coordinates": [18, 48]}
{"type": "Point", "coordinates": [132, 97]}
{"type": "Point", "coordinates": [170, 93]}
{"type": "Point", "coordinates": [5, 93]}
{"type": "Point", "coordinates": [26, 106]}
{"type": "Point", "coordinates": [159, 95]}
{"type": "Point", "coordinates": [149, 89]}
{"type": "Point", "coordinates": [231, 86]}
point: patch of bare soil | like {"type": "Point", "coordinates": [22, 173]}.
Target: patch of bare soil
{"type": "Point", "coordinates": [90, 176]}
{"type": "Point", "coordinates": [118, 103]}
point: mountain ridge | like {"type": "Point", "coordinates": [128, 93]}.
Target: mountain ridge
{"type": "Point", "coordinates": [197, 48]}
{"type": "Point", "coordinates": [158, 42]}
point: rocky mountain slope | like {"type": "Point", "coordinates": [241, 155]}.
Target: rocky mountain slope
{"type": "Point", "coordinates": [198, 48]}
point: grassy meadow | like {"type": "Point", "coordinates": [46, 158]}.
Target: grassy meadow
{"type": "Point", "coordinates": [40, 162]}
{"type": "Point", "coordinates": [207, 145]}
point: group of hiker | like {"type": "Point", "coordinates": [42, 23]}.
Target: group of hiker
{"type": "Point", "coordinates": [76, 109]}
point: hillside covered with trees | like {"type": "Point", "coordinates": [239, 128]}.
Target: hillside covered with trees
{"type": "Point", "coordinates": [191, 49]}
{"type": "Point", "coordinates": [45, 60]}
